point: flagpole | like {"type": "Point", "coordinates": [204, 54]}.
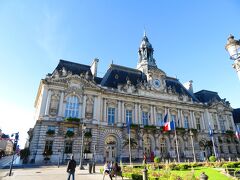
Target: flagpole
{"type": "Point", "coordinates": [176, 141]}
{"type": "Point", "coordinates": [214, 147]}
{"type": "Point", "coordinates": [211, 135]}
{"type": "Point", "coordinates": [130, 154]}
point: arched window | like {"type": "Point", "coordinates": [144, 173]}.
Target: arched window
{"type": "Point", "coordinates": [72, 107]}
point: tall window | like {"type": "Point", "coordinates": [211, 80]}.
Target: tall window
{"type": "Point", "coordinates": [163, 147]}
{"type": "Point", "coordinates": [48, 147]}
{"type": "Point", "coordinates": [129, 116]}
{"type": "Point", "coordinates": [173, 118]}
{"type": "Point", "coordinates": [145, 118]}
{"type": "Point", "coordinates": [186, 125]}
{"type": "Point", "coordinates": [71, 129]}
{"type": "Point", "coordinates": [222, 125]}
{"type": "Point", "coordinates": [160, 119]}
{"type": "Point", "coordinates": [51, 128]}
{"type": "Point", "coordinates": [68, 147]}
{"type": "Point", "coordinates": [214, 121]}
{"type": "Point", "coordinates": [198, 123]}
{"type": "Point", "coordinates": [111, 115]}
{"type": "Point", "coordinates": [72, 107]}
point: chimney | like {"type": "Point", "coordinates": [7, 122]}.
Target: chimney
{"type": "Point", "coordinates": [94, 67]}
{"type": "Point", "coordinates": [188, 86]}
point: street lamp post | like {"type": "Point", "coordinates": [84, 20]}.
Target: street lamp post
{"type": "Point", "coordinates": [81, 153]}
{"type": "Point", "coordinates": [194, 156]}
{"type": "Point", "coordinates": [233, 48]}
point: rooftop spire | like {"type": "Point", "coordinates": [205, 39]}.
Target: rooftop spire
{"type": "Point", "coordinates": [144, 33]}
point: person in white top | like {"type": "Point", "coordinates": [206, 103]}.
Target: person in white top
{"type": "Point", "coordinates": [107, 170]}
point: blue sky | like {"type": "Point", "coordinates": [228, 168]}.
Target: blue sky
{"type": "Point", "coordinates": [188, 38]}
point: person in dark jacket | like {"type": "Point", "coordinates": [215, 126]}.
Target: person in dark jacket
{"type": "Point", "coordinates": [71, 168]}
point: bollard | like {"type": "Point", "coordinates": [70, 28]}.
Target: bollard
{"type": "Point", "coordinates": [145, 177]}
{"type": "Point", "coordinates": [203, 176]}
{"type": "Point", "coordinates": [93, 168]}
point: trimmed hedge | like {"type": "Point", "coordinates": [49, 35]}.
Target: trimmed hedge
{"type": "Point", "coordinates": [212, 158]}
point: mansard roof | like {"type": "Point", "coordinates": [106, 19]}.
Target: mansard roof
{"type": "Point", "coordinates": [236, 115]}
{"type": "Point", "coordinates": [120, 75]}
{"type": "Point", "coordinates": [73, 67]}
{"type": "Point", "coordinates": [206, 96]}
{"type": "Point", "coordinates": [178, 87]}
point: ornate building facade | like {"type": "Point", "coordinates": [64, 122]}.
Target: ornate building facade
{"type": "Point", "coordinates": [73, 95]}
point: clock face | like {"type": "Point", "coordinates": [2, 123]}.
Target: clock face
{"type": "Point", "coordinates": [156, 83]}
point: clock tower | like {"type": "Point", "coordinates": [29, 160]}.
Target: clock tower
{"type": "Point", "coordinates": [147, 64]}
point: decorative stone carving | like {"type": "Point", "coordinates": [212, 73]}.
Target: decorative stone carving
{"type": "Point", "coordinates": [54, 103]}
{"type": "Point", "coordinates": [89, 107]}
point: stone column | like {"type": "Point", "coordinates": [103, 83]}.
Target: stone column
{"type": "Point", "coordinates": [84, 106]}
{"type": "Point", "coordinates": [227, 123]}
{"type": "Point", "coordinates": [203, 121]}
{"type": "Point", "coordinates": [217, 122]}
{"type": "Point", "coordinates": [135, 114]}
{"type": "Point", "coordinates": [182, 118]}
{"type": "Point", "coordinates": [43, 100]}
{"type": "Point", "coordinates": [154, 116]}
{"type": "Point", "coordinates": [191, 120]}
{"type": "Point", "coordinates": [233, 125]}
{"type": "Point", "coordinates": [123, 113]}
{"type": "Point", "coordinates": [139, 115]}
{"type": "Point", "coordinates": [179, 118]}
{"type": "Point", "coordinates": [194, 121]}
{"type": "Point", "coordinates": [151, 115]}
{"type": "Point", "coordinates": [60, 109]}
{"type": "Point", "coordinates": [48, 103]}
{"type": "Point", "coordinates": [119, 112]}
{"type": "Point", "coordinates": [95, 108]}
{"type": "Point", "coordinates": [104, 110]}
{"type": "Point", "coordinates": [100, 108]}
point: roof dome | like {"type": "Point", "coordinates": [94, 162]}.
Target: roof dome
{"type": "Point", "coordinates": [145, 43]}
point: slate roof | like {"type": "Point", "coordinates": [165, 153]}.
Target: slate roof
{"type": "Point", "coordinates": [179, 88]}
{"type": "Point", "coordinates": [206, 96]}
{"type": "Point", "coordinates": [236, 115]}
{"type": "Point", "coordinates": [119, 75]}
{"type": "Point", "coordinates": [75, 68]}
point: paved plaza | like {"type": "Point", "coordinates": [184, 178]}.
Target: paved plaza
{"type": "Point", "coordinates": [50, 173]}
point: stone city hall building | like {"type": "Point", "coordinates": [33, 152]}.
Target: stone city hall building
{"type": "Point", "coordinates": [73, 97]}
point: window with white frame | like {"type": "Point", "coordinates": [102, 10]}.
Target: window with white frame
{"type": "Point", "coordinates": [51, 128]}
{"type": "Point", "coordinates": [145, 118]}
{"type": "Point", "coordinates": [160, 119]}
{"type": "Point", "coordinates": [186, 125]}
{"type": "Point", "coordinates": [72, 107]}
{"type": "Point", "coordinates": [198, 123]}
{"type": "Point", "coordinates": [111, 115]}
{"type": "Point", "coordinates": [222, 125]}
{"type": "Point", "coordinates": [48, 147]}
{"type": "Point", "coordinates": [70, 129]}
{"type": "Point", "coordinates": [128, 116]}
{"type": "Point", "coordinates": [173, 118]}
{"type": "Point", "coordinates": [214, 121]}
{"type": "Point", "coordinates": [163, 147]}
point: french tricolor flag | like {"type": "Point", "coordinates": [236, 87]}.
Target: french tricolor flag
{"type": "Point", "coordinates": [168, 126]}
{"type": "Point", "coordinates": [237, 133]}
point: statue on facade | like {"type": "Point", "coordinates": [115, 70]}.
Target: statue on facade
{"type": "Point", "coordinates": [54, 103]}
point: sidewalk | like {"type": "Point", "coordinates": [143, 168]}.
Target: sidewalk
{"type": "Point", "coordinates": [51, 173]}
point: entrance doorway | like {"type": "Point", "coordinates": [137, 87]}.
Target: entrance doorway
{"type": "Point", "coordinates": [110, 153]}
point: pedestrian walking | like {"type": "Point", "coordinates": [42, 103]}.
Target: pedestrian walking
{"type": "Point", "coordinates": [71, 168]}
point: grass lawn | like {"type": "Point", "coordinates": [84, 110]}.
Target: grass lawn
{"type": "Point", "coordinates": [212, 173]}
